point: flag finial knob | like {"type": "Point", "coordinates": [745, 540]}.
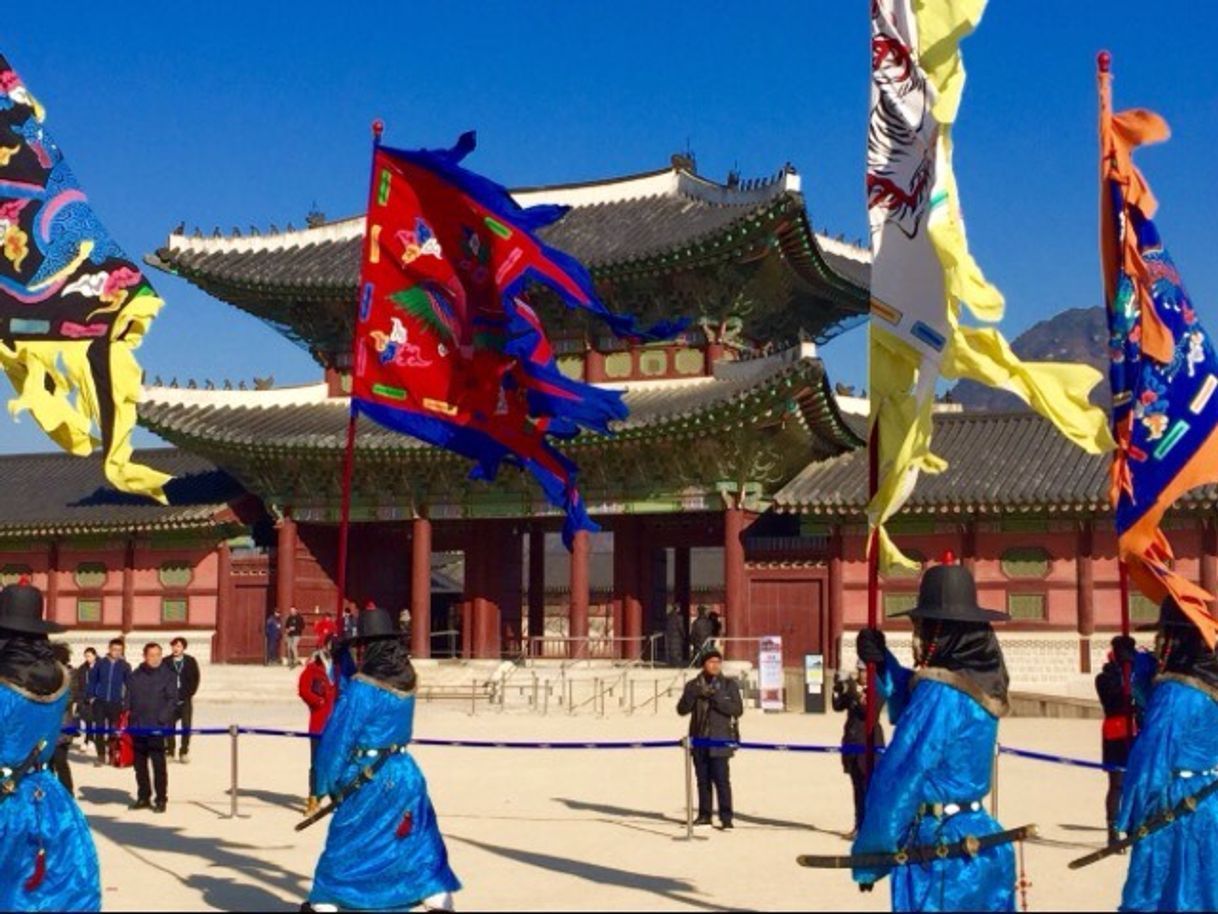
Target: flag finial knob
{"type": "Point", "coordinates": [948, 557]}
{"type": "Point", "coordinates": [1104, 61]}
{"type": "Point", "coordinates": [378, 127]}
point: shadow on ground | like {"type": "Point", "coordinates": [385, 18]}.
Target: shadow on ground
{"type": "Point", "coordinates": [137, 837]}
{"type": "Point", "coordinates": [622, 812]}
{"type": "Point", "coordinates": [105, 796]}
{"type": "Point", "coordinates": [664, 887]}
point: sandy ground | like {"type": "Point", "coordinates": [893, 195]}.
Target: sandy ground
{"type": "Point", "coordinates": [569, 830]}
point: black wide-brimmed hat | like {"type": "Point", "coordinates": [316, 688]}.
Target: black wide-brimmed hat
{"type": "Point", "coordinates": [949, 593]}
{"type": "Point", "coordinates": [376, 624]}
{"type": "Point", "coordinates": [21, 611]}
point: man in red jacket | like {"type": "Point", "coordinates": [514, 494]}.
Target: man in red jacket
{"type": "Point", "coordinates": [318, 690]}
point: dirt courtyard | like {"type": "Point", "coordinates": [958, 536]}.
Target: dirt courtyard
{"type": "Point", "coordinates": [569, 830]}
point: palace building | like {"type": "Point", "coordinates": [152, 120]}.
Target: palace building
{"type": "Point", "coordinates": [737, 482]}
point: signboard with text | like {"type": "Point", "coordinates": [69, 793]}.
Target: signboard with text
{"type": "Point", "coordinates": [770, 674]}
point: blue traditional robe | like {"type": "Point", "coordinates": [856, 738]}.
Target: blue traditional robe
{"type": "Point", "coordinates": [1174, 757]}
{"type": "Point", "coordinates": [375, 857]}
{"type": "Point", "coordinates": [41, 814]}
{"type": "Point", "coordinates": [942, 751]}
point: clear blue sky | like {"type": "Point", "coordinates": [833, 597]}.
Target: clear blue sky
{"type": "Point", "coordinates": [228, 114]}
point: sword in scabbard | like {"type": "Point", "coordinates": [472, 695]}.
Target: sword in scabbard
{"type": "Point", "coordinates": [1154, 823]}
{"type": "Point", "coordinates": [8, 786]}
{"type": "Point", "coordinates": [969, 846]}
{"type": "Point", "coordinates": [366, 774]}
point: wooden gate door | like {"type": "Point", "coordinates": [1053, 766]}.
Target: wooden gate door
{"type": "Point", "coordinates": [241, 629]}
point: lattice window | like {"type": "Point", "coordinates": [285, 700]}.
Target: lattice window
{"type": "Point", "coordinates": [690, 361]}
{"type": "Point", "coordinates": [653, 364]}
{"type": "Point", "coordinates": [11, 574]}
{"type": "Point", "coordinates": [88, 610]}
{"type": "Point", "coordinates": [1025, 562]}
{"type": "Point", "coordinates": [1024, 525]}
{"type": "Point", "coordinates": [174, 609]}
{"type": "Point", "coordinates": [90, 575]}
{"type": "Point", "coordinates": [572, 366]}
{"type": "Point", "coordinates": [899, 603]}
{"type": "Point", "coordinates": [175, 574]}
{"type": "Point", "coordinates": [1026, 606]}
{"type": "Point", "coordinates": [1142, 608]}
{"type": "Point", "coordinates": [619, 365]}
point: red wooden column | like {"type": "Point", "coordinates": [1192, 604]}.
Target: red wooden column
{"type": "Point", "coordinates": [420, 587]}
{"type": "Point", "coordinates": [285, 566]}
{"type": "Point", "coordinates": [53, 581]}
{"type": "Point", "coordinates": [1086, 594]}
{"type": "Point", "coordinates": [837, 549]}
{"type": "Point", "coordinates": [626, 585]}
{"type": "Point", "coordinates": [220, 650]}
{"type": "Point", "coordinates": [1209, 556]}
{"type": "Point", "coordinates": [129, 586]}
{"type": "Point", "coordinates": [485, 597]}
{"type": "Point", "coordinates": [734, 583]}
{"type": "Point", "coordinates": [537, 591]}
{"type": "Point", "coordinates": [578, 626]}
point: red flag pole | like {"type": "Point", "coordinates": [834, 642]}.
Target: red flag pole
{"type": "Point", "coordinates": [344, 524]}
{"type": "Point", "coordinates": [1103, 65]}
{"type": "Point", "coordinates": [873, 593]}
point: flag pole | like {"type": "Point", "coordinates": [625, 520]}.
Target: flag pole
{"type": "Point", "coordinates": [344, 524]}
{"type": "Point", "coordinates": [1103, 65]}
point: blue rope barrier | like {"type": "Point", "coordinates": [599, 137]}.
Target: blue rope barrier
{"type": "Point", "coordinates": [1057, 759]}
{"type": "Point", "coordinates": [809, 748]}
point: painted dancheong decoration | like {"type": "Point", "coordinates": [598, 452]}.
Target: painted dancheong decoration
{"type": "Point", "coordinates": [448, 348]}
{"type": "Point", "coordinates": [73, 306]}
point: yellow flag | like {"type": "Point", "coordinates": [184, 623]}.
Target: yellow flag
{"type": "Point", "coordinates": [923, 275]}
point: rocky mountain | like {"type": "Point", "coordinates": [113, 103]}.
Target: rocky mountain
{"type": "Point", "coordinates": [1076, 335]}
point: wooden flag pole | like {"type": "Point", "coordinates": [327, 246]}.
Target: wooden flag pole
{"type": "Point", "coordinates": [1103, 65]}
{"type": "Point", "coordinates": [344, 524]}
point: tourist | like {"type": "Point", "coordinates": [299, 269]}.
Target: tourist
{"type": "Point", "coordinates": [1173, 760]}
{"type": "Point", "coordinates": [676, 637]}
{"type": "Point", "coordinates": [293, 628]}
{"type": "Point", "coordinates": [383, 851]}
{"type": "Point", "coordinates": [1122, 712]}
{"type": "Point", "coordinates": [59, 761]}
{"type": "Point", "coordinates": [317, 687]}
{"type": "Point", "coordinates": [186, 675]}
{"type": "Point", "coordinates": [714, 705]}
{"type": "Point", "coordinates": [152, 700]}
{"type": "Point", "coordinates": [700, 635]}
{"type": "Point", "coordinates": [926, 790]}
{"type": "Point", "coordinates": [82, 704]}
{"type": "Point", "coordinates": [850, 695]}
{"type": "Point", "coordinates": [324, 628]}
{"type": "Point", "coordinates": [274, 633]}
{"type": "Point", "coordinates": [350, 623]}
{"type": "Point", "coordinates": [108, 689]}
{"type": "Point", "coordinates": [50, 863]}
{"type": "Point", "coordinates": [404, 622]}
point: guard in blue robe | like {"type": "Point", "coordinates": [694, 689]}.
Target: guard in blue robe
{"type": "Point", "coordinates": [1174, 757]}
{"type": "Point", "coordinates": [49, 861]}
{"type": "Point", "coordinates": [384, 851]}
{"type": "Point", "coordinates": [929, 785]}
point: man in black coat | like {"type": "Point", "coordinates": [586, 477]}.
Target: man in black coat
{"type": "Point", "coordinates": [676, 636]}
{"type": "Point", "coordinates": [714, 705]}
{"type": "Point", "coordinates": [185, 671]}
{"type": "Point", "coordinates": [152, 701]}
{"type": "Point", "coordinates": [700, 635]}
{"type": "Point", "coordinates": [850, 695]}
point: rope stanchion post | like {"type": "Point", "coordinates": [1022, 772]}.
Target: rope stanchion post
{"type": "Point", "coordinates": [687, 752]}
{"type": "Point", "coordinates": [234, 735]}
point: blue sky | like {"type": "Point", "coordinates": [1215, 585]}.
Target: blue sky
{"type": "Point", "coordinates": [230, 114]}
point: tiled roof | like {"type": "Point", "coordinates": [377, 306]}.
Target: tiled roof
{"type": "Point", "coordinates": [997, 462]}
{"type": "Point", "coordinates": [312, 423]}
{"type": "Point", "coordinates": [58, 494]}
